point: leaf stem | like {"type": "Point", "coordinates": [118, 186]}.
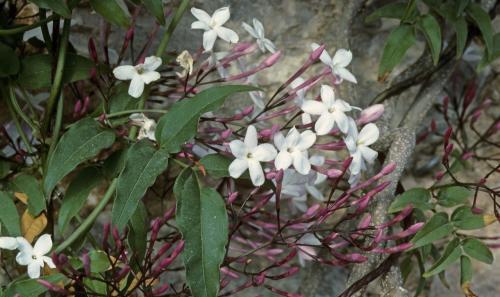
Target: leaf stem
{"type": "Point", "coordinates": [26, 28]}
{"type": "Point", "coordinates": [19, 111]}
{"type": "Point", "coordinates": [130, 111]}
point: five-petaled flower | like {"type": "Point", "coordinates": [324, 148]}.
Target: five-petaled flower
{"type": "Point", "coordinates": [331, 111]}
{"type": "Point", "coordinates": [257, 32]}
{"type": "Point", "coordinates": [147, 126]}
{"type": "Point", "coordinates": [358, 146]}
{"type": "Point", "coordinates": [293, 150]}
{"type": "Point", "coordinates": [213, 26]}
{"type": "Point", "coordinates": [139, 75]}
{"type": "Point", "coordinates": [338, 63]}
{"type": "Point", "coordinates": [248, 155]}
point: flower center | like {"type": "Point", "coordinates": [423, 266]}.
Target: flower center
{"type": "Point", "coordinates": [331, 109]}
{"type": "Point", "coordinates": [140, 70]}
{"type": "Point", "coordinates": [33, 257]}
{"type": "Point", "coordinates": [290, 150]}
{"type": "Point", "coordinates": [249, 156]}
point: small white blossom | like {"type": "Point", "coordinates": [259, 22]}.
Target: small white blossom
{"type": "Point", "coordinates": [185, 60]}
{"type": "Point", "coordinates": [301, 93]}
{"type": "Point", "coordinates": [8, 243]}
{"type": "Point", "coordinates": [34, 257]}
{"type": "Point", "coordinates": [331, 111]}
{"type": "Point", "coordinates": [213, 26]}
{"type": "Point", "coordinates": [307, 249]}
{"type": "Point", "coordinates": [358, 146]}
{"type": "Point", "coordinates": [248, 155]}
{"type": "Point", "coordinates": [139, 75]}
{"type": "Point", "coordinates": [338, 63]}
{"type": "Point", "coordinates": [147, 126]}
{"type": "Point", "coordinates": [257, 32]}
{"type": "Point", "coordinates": [293, 150]}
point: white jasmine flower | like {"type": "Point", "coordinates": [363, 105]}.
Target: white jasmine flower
{"type": "Point", "coordinates": [139, 75]}
{"type": "Point", "coordinates": [8, 243]}
{"type": "Point", "coordinates": [300, 94]}
{"type": "Point", "coordinates": [358, 146]}
{"type": "Point", "coordinates": [293, 150]}
{"type": "Point", "coordinates": [186, 62]}
{"type": "Point", "coordinates": [257, 32]}
{"type": "Point", "coordinates": [331, 111]}
{"type": "Point", "coordinates": [34, 257]}
{"type": "Point", "coordinates": [338, 63]}
{"type": "Point", "coordinates": [147, 126]}
{"type": "Point", "coordinates": [249, 155]}
{"type": "Point", "coordinates": [213, 26]}
{"type": "Point", "coordinates": [307, 250]}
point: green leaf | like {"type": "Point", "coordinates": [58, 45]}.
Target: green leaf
{"type": "Point", "coordinates": [418, 197]}
{"type": "Point", "coordinates": [451, 254]}
{"type": "Point", "coordinates": [84, 140]}
{"type": "Point", "coordinates": [114, 165]}
{"type": "Point", "coordinates": [465, 270]}
{"type": "Point", "coordinates": [144, 164]}
{"type": "Point", "coordinates": [99, 262]}
{"type": "Point", "coordinates": [58, 6]}
{"type": "Point", "coordinates": [76, 195]}
{"type": "Point", "coordinates": [137, 238]}
{"type": "Point", "coordinates": [453, 196]}
{"type": "Point", "coordinates": [9, 62]}
{"type": "Point", "coordinates": [121, 101]}
{"type": "Point", "coordinates": [114, 11]}
{"type": "Point", "coordinates": [463, 218]}
{"type": "Point", "coordinates": [436, 228]}
{"type": "Point", "coordinates": [399, 41]}
{"type": "Point", "coordinates": [477, 250]}
{"type": "Point", "coordinates": [462, 31]}
{"type": "Point", "coordinates": [181, 121]}
{"type": "Point", "coordinates": [432, 32]}
{"type": "Point", "coordinates": [36, 70]}
{"type": "Point", "coordinates": [216, 165]}
{"type": "Point", "coordinates": [31, 287]}
{"type": "Point", "coordinates": [204, 229]}
{"type": "Point", "coordinates": [8, 215]}
{"type": "Point", "coordinates": [155, 7]}
{"type": "Point", "coordinates": [483, 21]}
{"type": "Point", "coordinates": [391, 11]}
{"type": "Point", "coordinates": [462, 4]}
{"type": "Point", "coordinates": [30, 186]}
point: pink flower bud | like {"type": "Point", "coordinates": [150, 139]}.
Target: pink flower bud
{"type": "Point", "coordinates": [317, 53]}
{"type": "Point", "coordinates": [241, 46]}
{"type": "Point", "coordinates": [86, 263]}
{"type": "Point", "coordinates": [228, 272]}
{"type": "Point", "coordinates": [333, 173]}
{"type": "Point", "coordinates": [439, 175]}
{"type": "Point", "coordinates": [447, 135]}
{"type": "Point", "coordinates": [477, 210]}
{"type": "Point", "coordinates": [271, 60]}
{"type": "Point", "coordinates": [470, 94]}
{"type": "Point", "coordinates": [467, 155]}
{"type": "Point", "coordinates": [77, 108]}
{"type": "Point", "coordinates": [259, 279]}
{"type": "Point", "coordinates": [248, 110]}
{"type": "Point", "coordinates": [433, 125]}
{"type": "Point", "coordinates": [130, 34]}
{"type": "Point", "coordinates": [371, 114]}
{"type": "Point", "coordinates": [331, 146]}
{"type": "Point", "coordinates": [92, 50]}
{"type": "Point", "coordinates": [232, 197]}
{"type": "Point", "coordinates": [105, 236]}
{"type": "Point", "coordinates": [311, 211]}
{"type": "Point", "coordinates": [123, 273]}
{"type": "Point", "coordinates": [288, 258]}
{"type": "Point", "coordinates": [52, 287]}
{"type": "Point", "coordinates": [388, 169]}
{"type": "Point", "coordinates": [163, 249]}
{"type": "Point", "coordinates": [169, 214]}
{"type": "Point", "coordinates": [393, 249]}
{"type": "Point", "coordinates": [398, 218]}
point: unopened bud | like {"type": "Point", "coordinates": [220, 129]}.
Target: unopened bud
{"type": "Point", "coordinates": [259, 279]}
{"type": "Point", "coordinates": [317, 53]}
{"type": "Point", "coordinates": [92, 50]}
{"type": "Point", "coordinates": [388, 169]}
{"type": "Point", "coordinates": [271, 60]}
{"type": "Point", "coordinates": [371, 114]}
{"type": "Point", "coordinates": [52, 287]}
{"type": "Point", "coordinates": [232, 197]}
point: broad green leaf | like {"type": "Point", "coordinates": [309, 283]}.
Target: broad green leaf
{"type": "Point", "coordinates": [58, 6]}
{"type": "Point", "coordinates": [463, 218]}
{"type": "Point", "coordinates": [451, 254]}
{"type": "Point", "coordinates": [155, 7]}
{"type": "Point", "coordinates": [430, 27]}
{"type": "Point", "coordinates": [76, 195]}
{"type": "Point", "coordinates": [84, 140]}
{"type": "Point", "coordinates": [204, 229]}
{"type": "Point", "coordinates": [399, 41]}
{"type": "Point", "coordinates": [436, 228]}
{"type": "Point", "coordinates": [495, 55]}
{"type": "Point", "coordinates": [137, 237]}
{"type": "Point", "coordinates": [462, 31]}
{"type": "Point", "coordinates": [461, 5]}
{"type": "Point", "coordinates": [9, 217]}
{"type": "Point", "coordinates": [9, 62]}
{"type": "Point", "coordinates": [181, 121]}
{"type": "Point", "coordinates": [114, 165]}
{"type": "Point", "coordinates": [453, 196]}
{"type": "Point", "coordinates": [418, 197]}
{"type": "Point", "coordinates": [477, 250]}
{"type": "Point", "coordinates": [30, 186]}
{"type": "Point", "coordinates": [216, 165]}
{"type": "Point", "coordinates": [465, 270]}
{"type": "Point", "coordinates": [391, 11]}
{"type": "Point", "coordinates": [121, 101]}
{"type": "Point", "coordinates": [30, 287]}
{"type": "Point", "coordinates": [36, 70]}
{"type": "Point", "coordinates": [483, 21]}
{"type": "Point", "coordinates": [143, 165]}
{"type": "Point", "coordinates": [99, 262]}
{"type": "Point", "coordinates": [4, 168]}
{"type": "Point", "coordinates": [114, 11]}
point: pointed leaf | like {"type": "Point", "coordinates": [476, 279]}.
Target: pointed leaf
{"type": "Point", "coordinates": [436, 228]}
{"type": "Point", "coordinates": [114, 11]}
{"type": "Point", "coordinates": [216, 165]}
{"type": "Point", "coordinates": [155, 7]}
{"type": "Point", "coordinates": [418, 197]}
{"type": "Point", "coordinates": [9, 62]}
{"type": "Point", "coordinates": [483, 21]}
{"type": "Point", "coordinates": [58, 6]}
{"type": "Point", "coordinates": [462, 31]}
{"type": "Point", "coordinates": [8, 215]}
{"type": "Point", "coordinates": [432, 32]}
{"type": "Point", "coordinates": [30, 186]}
{"type": "Point", "coordinates": [451, 254]}
{"type": "Point", "coordinates": [398, 42]}
{"type": "Point", "coordinates": [477, 250]}
{"type": "Point", "coordinates": [391, 11]}
{"type": "Point", "coordinates": [138, 226]}
{"type": "Point", "coordinates": [453, 196]}
{"type": "Point", "coordinates": [463, 218]}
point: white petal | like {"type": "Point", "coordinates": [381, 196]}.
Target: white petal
{"type": "Point", "coordinates": [307, 139]}
{"type": "Point", "coordinates": [283, 160]}
{"type": "Point", "coordinates": [324, 124]}
{"type": "Point", "coordinates": [251, 137]}
{"type": "Point", "coordinates": [136, 87]}
{"type": "Point", "coordinates": [345, 74]}
{"type": "Point", "coordinates": [264, 152]}
{"type": "Point", "coordinates": [150, 76]}
{"type": "Point", "coordinates": [8, 243]}
{"type": "Point", "coordinates": [201, 15]}
{"type": "Point", "coordinates": [314, 107]}
{"type": "Point", "coordinates": [341, 120]}
{"type": "Point", "coordinates": [237, 167]}
{"type": "Point", "coordinates": [353, 129]}
{"type": "Point", "coordinates": [238, 149]}
{"type": "Point", "coordinates": [341, 105]}
{"type": "Point", "coordinates": [313, 191]}
{"type": "Point", "coordinates": [301, 163]}
{"type": "Point", "coordinates": [342, 58]}
{"type": "Point", "coordinates": [124, 72]}
{"type": "Point", "coordinates": [49, 261]}
{"type": "Point", "coordinates": [34, 269]}
{"type": "Point", "coordinates": [279, 141]}
{"type": "Point", "coordinates": [43, 245]}
{"type": "Point", "coordinates": [317, 160]}
{"type": "Point", "coordinates": [327, 95]}
{"type": "Point", "coordinates": [256, 173]}
{"type": "Point", "coordinates": [269, 45]}
{"type": "Point", "coordinates": [209, 38]}
{"type": "Point", "coordinates": [324, 57]}
{"type": "Point", "coordinates": [259, 28]}
{"type": "Point", "coordinates": [221, 16]}
{"type": "Point", "coordinates": [293, 137]}
{"type": "Point", "coordinates": [297, 82]}
{"type": "Point", "coordinates": [368, 154]}
{"type": "Point", "coordinates": [356, 163]}
{"type": "Point", "coordinates": [354, 178]}
{"type": "Point", "coordinates": [350, 143]}
{"type": "Point", "coordinates": [306, 118]}
{"type": "Point", "coordinates": [249, 29]}
{"type": "Point", "coordinates": [260, 43]}
{"type": "Point", "coordinates": [369, 134]}
{"type": "Point", "coordinates": [24, 258]}
{"type": "Point", "coordinates": [24, 245]}
{"type": "Point", "coordinates": [151, 63]}
{"type": "Point", "coordinates": [320, 178]}
{"type": "Point", "coordinates": [200, 25]}
{"type": "Point", "coordinates": [227, 34]}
